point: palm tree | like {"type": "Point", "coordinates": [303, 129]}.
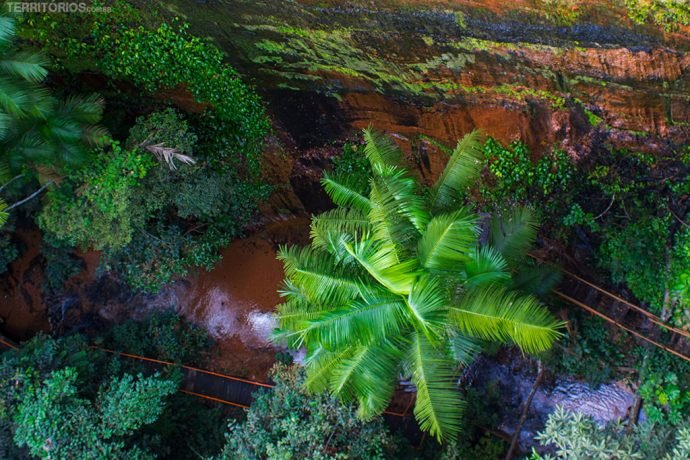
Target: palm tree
{"type": "Point", "coordinates": [396, 284]}
{"type": "Point", "coordinates": [35, 127]}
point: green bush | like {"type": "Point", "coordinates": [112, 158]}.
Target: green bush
{"type": "Point", "coordinates": [286, 422]}
{"type": "Point", "coordinates": [59, 266]}
{"type": "Point", "coordinates": [92, 207]}
{"type": "Point", "coordinates": [512, 178]}
{"type": "Point", "coordinates": [577, 437]}
{"type": "Point", "coordinates": [62, 399]}
{"type": "Point", "coordinates": [163, 336]}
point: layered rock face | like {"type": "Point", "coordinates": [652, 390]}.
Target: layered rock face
{"type": "Point", "coordinates": [545, 71]}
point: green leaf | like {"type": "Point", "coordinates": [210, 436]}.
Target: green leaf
{"type": "Point", "coordinates": [463, 169]}
{"type": "Point", "coordinates": [381, 262]}
{"type": "Point", "coordinates": [438, 408]}
{"type": "Point", "coordinates": [344, 192]}
{"type": "Point", "coordinates": [447, 243]}
{"type": "Point", "coordinates": [513, 235]}
{"type": "Point", "coordinates": [486, 266]}
{"type": "Point", "coordinates": [317, 276]}
{"type": "Point", "coordinates": [381, 151]}
{"type": "Point", "coordinates": [493, 313]}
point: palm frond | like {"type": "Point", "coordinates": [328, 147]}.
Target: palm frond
{"type": "Point", "coordinates": [513, 235]}
{"type": "Point", "coordinates": [344, 192]}
{"type": "Point", "coordinates": [387, 223]}
{"type": "Point", "coordinates": [536, 280]}
{"type": "Point", "coordinates": [375, 318]}
{"type": "Point", "coordinates": [494, 313]}
{"type": "Point", "coordinates": [464, 349]}
{"type": "Point", "coordinates": [462, 169]}
{"type": "Point", "coordinates": [381, 262]}
{"type": "Point", "coordinates": [85, 110]}
{"type": "Point", "coordinates": [448, 240]}
{"type": "Point", "coordinates": [328, 228]}
{"type": "Point", "coordinates": [4, 215]}
{"type": "Point", "coordinates": [27, 66]}
{"type": "Point", "coordinates": [427, 306]}
{"type": "Point", "coordinates": [486, 266]}
{"type": "Point", "coordinates": [169, 155]}
{"type": "Point", "coordinates": [409, 203]}
{"type": "Point", "coordinates": [8, 30]}
{"type": "Point", "coordinates": [317, 276]}
{"type": "Point", "coordinates": [368, 375]}
{"type": "Point", "coordinates": [438, 408]}
{"type": "Point", "coordinates": [380, 150]}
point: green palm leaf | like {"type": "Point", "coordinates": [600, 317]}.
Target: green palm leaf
{"type": "Point", "coordinates": [27, 66]}
{"type": "Point", "coordinates": [387, 222]}
{"type": "Point", "coordinates": [8, 30]}
{"type": "Point", "coordinates": [3, 213]}
{"type": "Point", "coordinates": [448, 240]}
{"type": "Point", "coordinates": [381, 262]}
{"type": "Point", "coordinates": [317, 276]}
{"type": "Point", "coordinates": [463, 349]}
{"type": "Point", "coordinates": [344, 192]}
{"type": "Point", "coordinates": [462, 169]}
{"type": "Point", "coordinates": [327, 228]}
{"type": "Point", "coordinates": [381, 151]}
{"type": "Point", "coordinates": [438, 408]}
{"type": "Point", "coordinates": [368, 375]}
{"type": "Point", "coordinates": [427, 305]}
{"type": "Point", "coordinates": [514, 234]}
{"type": "Point", "coordinates": [408, 202]}
{"type": "Point", "coordinates": [374, 318]}
{"type": "Point", "coordinates": [493, 313]}
{"type": "Point", "coordinates": [486, 266]}
{"type": "Point", "coordinates": [536, 280]}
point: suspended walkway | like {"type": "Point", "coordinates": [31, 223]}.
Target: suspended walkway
{"type": "Point", "coordinates": [623, 314]}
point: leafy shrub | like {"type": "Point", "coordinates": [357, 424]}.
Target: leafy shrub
{"type": "Point", "coordinates": [513, 178]}
{"type": "Point", "coordinates": [60, 265]}
{"type": "Point", "coordinates": [163, 336]}
{"type": "Point", "coordinates": [577, 437]}
{"type": "Point", "coordinates": [93, 208]}
{"type": "Point", "coordinates": [636, 255]}
{"type": "Point", "coordinates": [63, 399]}
{"type": "Point", "coordinates": [670, 14]}
{"type": "Point", "coordinates": [353, 163]}
{"type": "Point", "coordinates": [665, 388]}
{"type": "Point", "coordinates": [286, 422]}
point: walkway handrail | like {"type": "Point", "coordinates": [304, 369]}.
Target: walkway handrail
{"type": "Point", "coordinates": [652, 317]}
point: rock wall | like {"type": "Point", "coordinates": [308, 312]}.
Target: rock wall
{"type": "Point", "coordinates": [544, 71]}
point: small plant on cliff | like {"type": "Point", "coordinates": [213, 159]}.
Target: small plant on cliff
{"type": "Point", "coordinates": [397, 282]}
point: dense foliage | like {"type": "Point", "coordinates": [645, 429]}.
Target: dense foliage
{"type": "Point", "coordinates": [287, 422]}
{"type": "Point", "coordinates": [157, 206]}
{"type": "Point", "coordinates": [398, 282]}
{"type": "Point", "coordinates": [577, 437]}
{"type": "Point", "coordinates": [62, 399]}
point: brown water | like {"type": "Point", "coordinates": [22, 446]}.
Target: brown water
{"type": "Point", "coordinates": [235, 303]}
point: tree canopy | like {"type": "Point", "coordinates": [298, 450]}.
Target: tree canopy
{"type": "Point", "coordinates": [399, 283]}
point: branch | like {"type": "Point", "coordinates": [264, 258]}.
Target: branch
{"type": "Point", "coordinates": [677, 218]}
{"type": "Point", "coordinates": [525, 410]}
{"type": "Point", "coordinates": [613, 198]}
{"type": "Point", "coordinates": [10, 181]}
{"type": "Point", "coordinates": [36, 193]}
